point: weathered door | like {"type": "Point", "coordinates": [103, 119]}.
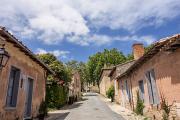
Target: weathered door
{"type": "Point", "coordinates": [28, 103]}
{"type": "Point", "coordinates": [122, 98]}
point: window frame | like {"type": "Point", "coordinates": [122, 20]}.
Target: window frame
{"type": "Point", "coordinates": [10, 106]}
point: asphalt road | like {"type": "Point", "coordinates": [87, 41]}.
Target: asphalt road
{"type": "Point", "coordinates": [91, 108]}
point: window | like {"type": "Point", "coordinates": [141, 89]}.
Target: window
{"type": "Point", "coordinates": [127, 90]}
{"type": "Point", "coordinates": [13, 86]}
{"type": "Point", "coordinates": [152, 88]}
{"type": "Point", "coordinates": [141, 90]}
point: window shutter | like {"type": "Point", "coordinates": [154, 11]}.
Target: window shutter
{"type": "Point", "coordinates": [149, 88]}
{"type": "Point", "coordinates": [154, 87]}
{"type": "Point", "coordinates": [127, 90]}
{"type": "Point", "coordinates": [15, 88]}
{"type": "Point", "coordinates": [10, 89]}
{"type": "Point", "coordinates": [141, 88]}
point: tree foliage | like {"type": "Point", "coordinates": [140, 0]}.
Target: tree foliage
{"type": "Point", "coordinates": [57, 66]}
{"type": "Point", "coordinates": [56, 95]}
{"type": "Point", "coordinates": [81, 67]}
{"type": "Point", "coordinates": [97, 61]}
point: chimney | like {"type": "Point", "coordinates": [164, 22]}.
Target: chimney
{"type": "Point", "coordinates": [138, 50]}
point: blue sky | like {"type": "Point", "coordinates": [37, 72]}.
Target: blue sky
{"type": "Point", "coordinates": [76, 29]}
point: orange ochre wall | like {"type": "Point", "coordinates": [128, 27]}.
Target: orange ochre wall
{"type": "Point", "coordinates": [167, 72]}
{"type": "Point", "coordinates": [28, 68]}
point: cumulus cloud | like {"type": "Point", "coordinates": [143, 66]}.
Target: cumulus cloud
{"type": "Point", "coordinates": [75, 20]}
{"type": "Point", "coordinates": [57, 53]}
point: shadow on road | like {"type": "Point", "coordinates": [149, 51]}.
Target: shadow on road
{"type": "Point", "coordinates": [90, 94]}
{"type": "Point", "coordinates": [74, 105]}
{"type": "Point", "coordinates": [84, 99]}
{"type": "Point", "coordinates": [58, 116]}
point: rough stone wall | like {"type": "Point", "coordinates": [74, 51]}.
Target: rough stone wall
{"type": "Point", "coordinates": [166, 66]}
{"type": "Point", "coordinates": [28, 68]}
{"type": "Point", "coordinates": [76, 84]}
{"type": "Point", "coordinates": [122, 97]}
{"type": "Point", "coordinates": [105, 82]}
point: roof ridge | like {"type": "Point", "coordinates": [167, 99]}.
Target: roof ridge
{"type": "Point", "coordinates": [24, 47]}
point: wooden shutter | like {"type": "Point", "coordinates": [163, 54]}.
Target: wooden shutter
{"type": "Point", "coordinates": [141, 88]}
{"type": "Point", "coordinates": [15, 88]}
{"type": "Point", "coordinates": [149, 88]}
{"type": "Point", "coordinates": [154, 87]}
{"type": "Point", "coordinates": [10, 89]}
{"type": "Point", "coordinates": [127, 91]}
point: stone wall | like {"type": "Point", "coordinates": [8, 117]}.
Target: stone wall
{"type": "Point", "coordinates": [105, 82]}
{"type": "Point", "coordinates": [167, 73]}
{"type": "Point", "coordinates": [28, 68]}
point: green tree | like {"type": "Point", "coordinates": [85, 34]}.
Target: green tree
{"type": "Point", "coordinates": [81, 67]}
{"type": "Point", "coordinates": [56, 95]}
{"type": "Point", "coordinates": [129, 57]}
{"type": "Point", "coordinates": [97, 61]}
{"type": "Point", "coordinates": [47, 58]}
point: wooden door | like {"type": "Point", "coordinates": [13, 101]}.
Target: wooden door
{"type": "Point", "coordinates": [28, 103]}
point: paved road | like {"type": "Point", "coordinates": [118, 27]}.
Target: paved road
{"type": "Point", "coordinates": [91, 108]}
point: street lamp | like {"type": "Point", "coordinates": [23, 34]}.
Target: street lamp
{"type": "Point", "coordinates": [4, 56]}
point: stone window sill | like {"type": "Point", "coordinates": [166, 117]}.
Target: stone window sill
{"type": "Point", "coordinates": [10, 108]}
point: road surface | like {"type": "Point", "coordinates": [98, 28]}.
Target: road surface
{"type": "Point", "coordinates": [91, 108]}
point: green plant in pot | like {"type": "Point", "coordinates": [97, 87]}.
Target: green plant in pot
{"type": "Point", "coordinates": [110, 93]}
{"type": "Point", "coordinates": [42, 110]}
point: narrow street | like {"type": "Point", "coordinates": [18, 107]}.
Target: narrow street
{"type": "Point", "coordinates": [91, 108]}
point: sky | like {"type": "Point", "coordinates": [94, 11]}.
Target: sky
{"type": "Point", "coordinates": [76, 29]}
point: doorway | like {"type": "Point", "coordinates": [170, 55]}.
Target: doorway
{"type": "Point", "coordinates": [28, 103]}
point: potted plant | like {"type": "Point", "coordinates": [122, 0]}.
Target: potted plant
{"type": "Point", "coordinates": [42, 110]}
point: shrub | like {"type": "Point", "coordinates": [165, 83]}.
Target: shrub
{"type": "Point", "coordinates": [56, 96]}
{"type": "Point", "coordinates": [139, 105]}
{"type": "Point", "coordinates": [165, 107]}
{"type": "Point", "coordinates": [110, 93]}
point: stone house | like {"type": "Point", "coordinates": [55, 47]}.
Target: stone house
{"type": "Point", "coordinates": [105, 81]}
{"type": "Point", "coordinates": [75, 86]}
{"type": "Point", "coordinates": [116, 71]}
{"type": "Point", "coordinates": [22, 80]}
{"type": "Point", "coordinates": [155, 74]}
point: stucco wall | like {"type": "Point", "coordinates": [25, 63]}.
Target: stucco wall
{"type": "Point", "coordinates": [28, 68]}
{"type": "Point", "coordinates": [166, 66]}
{"type": "Point", "coordinates": [105, 82]}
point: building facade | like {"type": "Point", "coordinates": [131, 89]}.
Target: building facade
{"type": "Point", "coordinates": [75, 86]}
{"type": "Point", "coordinates": [105, 81]}
{"type": "Point", "coordinates": [155, 75]}
{"type": "Point", "coordinates": [22, 80]}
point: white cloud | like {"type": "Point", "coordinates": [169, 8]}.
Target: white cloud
{"type": "Point", "coordinates": [99, 40]}
{"type": "Point", "coordinates": [57, 53]}
{"type": "Point", "coordinates": [52, 21]}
